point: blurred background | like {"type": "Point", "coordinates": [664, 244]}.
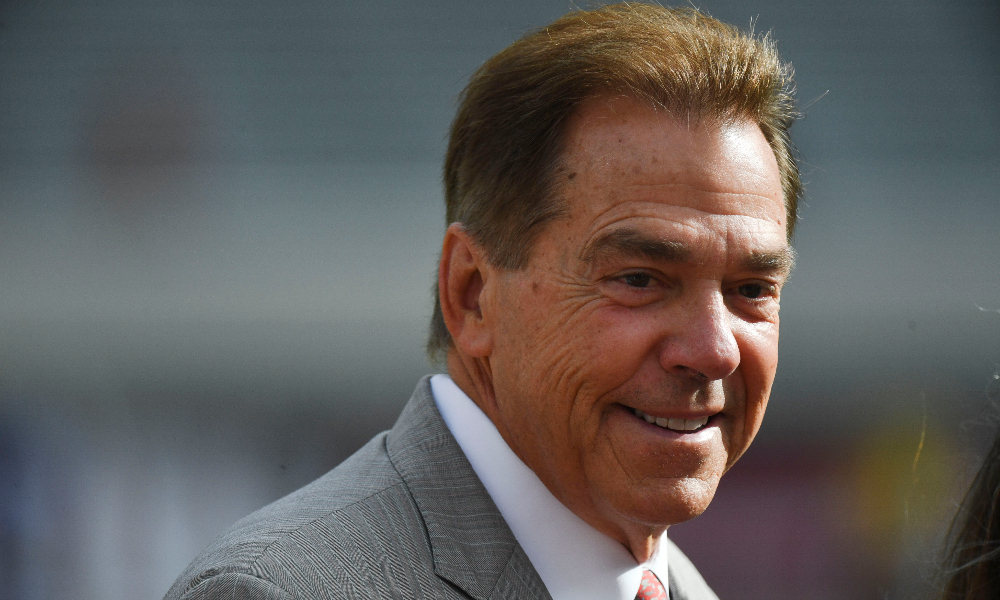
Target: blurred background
{"type": "Point", "coordinates": [219, 222]}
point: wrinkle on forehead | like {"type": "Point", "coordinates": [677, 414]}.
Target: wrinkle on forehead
{"type": "Point", "coordinates": [751, 208]}
{"type": "Point", "coordinates": [645, 196]}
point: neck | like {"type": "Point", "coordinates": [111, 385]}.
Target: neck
{"type": "Point", "coordinates": [474, 377]}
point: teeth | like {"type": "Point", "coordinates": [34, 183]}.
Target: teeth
{"type": "Point", "coordinates": [674, 424]}
{"type": "Point", "coordinates": [691, 424]}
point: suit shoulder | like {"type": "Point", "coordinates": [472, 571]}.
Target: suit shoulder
{"type": "Point", "coordinates": [234, 585]}
{"type": "Point", "coordinates": [331, 534]}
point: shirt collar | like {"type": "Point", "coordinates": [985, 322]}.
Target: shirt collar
{"type": "Point", "coordinates": [573, 559]}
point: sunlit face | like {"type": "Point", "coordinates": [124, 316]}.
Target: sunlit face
{"type": "Point", "coordinates": [654, 297]}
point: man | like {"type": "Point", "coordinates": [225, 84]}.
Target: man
{"type": "Point", "coordinates": [620, 191]}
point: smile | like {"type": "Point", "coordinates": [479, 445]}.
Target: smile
{"type": "Point", "coordinates": [672, 424]}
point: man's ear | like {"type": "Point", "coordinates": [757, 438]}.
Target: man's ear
{"type": "Point", "coordinates": [462, 275]}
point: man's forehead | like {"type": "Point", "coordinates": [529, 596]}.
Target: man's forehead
{"type": "Point", "coordinates": [642, 145]}
{"type": "Point", "coordinates": [624, 161]}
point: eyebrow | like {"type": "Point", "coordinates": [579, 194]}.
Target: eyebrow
{"type": "Point", "coordinates": [771, 261]}
{"type": "Point", "coordinates": [629, 242]}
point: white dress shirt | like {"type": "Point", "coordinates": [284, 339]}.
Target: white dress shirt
{"type": "Point", "coordinates": [574, 560]}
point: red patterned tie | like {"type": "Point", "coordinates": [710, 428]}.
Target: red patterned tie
{"type": "Point", "coordinates": [650, 588]}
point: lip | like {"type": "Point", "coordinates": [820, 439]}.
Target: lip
{"type": "Point", "coordinates": [703, 433]}
{"type": "Point", "coordinates": [674, 415]}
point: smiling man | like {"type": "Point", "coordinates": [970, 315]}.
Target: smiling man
{"type": "Point", "coordinates": [620, 194]}
{"type": "Point", "coordinates": [628, 363]}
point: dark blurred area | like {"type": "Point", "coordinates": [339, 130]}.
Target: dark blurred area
{"type": "Point", "coordinates": [219, 223]}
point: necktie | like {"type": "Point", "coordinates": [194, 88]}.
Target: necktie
{"type": "Point", "coordinates": [650, 588]}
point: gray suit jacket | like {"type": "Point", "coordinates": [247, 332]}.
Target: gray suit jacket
{"type": "Point", "coordinates": [404, 517]}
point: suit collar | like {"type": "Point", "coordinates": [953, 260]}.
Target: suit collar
{"type": "Point", "coordinates": [471, 544]}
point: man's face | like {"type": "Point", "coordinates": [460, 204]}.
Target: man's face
{"type": "Point", "coordinates": [655, 296]}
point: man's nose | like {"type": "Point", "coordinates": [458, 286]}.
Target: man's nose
{"type": "Point", "coordinates": [701, 340]}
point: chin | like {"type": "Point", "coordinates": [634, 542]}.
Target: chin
{"type": "Point", "coordinates": [670, 504]}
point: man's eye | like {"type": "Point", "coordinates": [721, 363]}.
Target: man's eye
{"type": "Point", "coordinates": [639, 280]}
{"type": "Point", "coordinates": [751, 290]}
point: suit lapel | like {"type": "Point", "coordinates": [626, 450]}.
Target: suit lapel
{"type": "Point", "coordinates": [471, 544]}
